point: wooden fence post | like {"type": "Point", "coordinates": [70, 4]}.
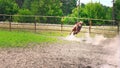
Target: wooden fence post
{"type": "Point", "coordinates": [61, 26]}
{"type": "Point", "coordinates": [3, 17]}
{"type": "Point", "coordinates": [35, 24]}
{"type": "Point", "coordinates": [90, 24]}
{"type": "Point", "coordinates": [10, 19]}
{"type": "Point", "coordinates": [118, 25]}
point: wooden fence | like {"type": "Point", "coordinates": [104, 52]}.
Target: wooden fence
{"type": "Point", "coordinates": [9, 24]}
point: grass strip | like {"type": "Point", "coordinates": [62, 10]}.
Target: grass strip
{"type": "Point", "coordinates": [21, 39]}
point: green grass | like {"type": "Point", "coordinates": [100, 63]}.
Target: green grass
{"type": "Point", "coordinates": [60, 34]}
{"type": "Point", "coordinates": [21, 39]}
{"type": "Point", "coordinates": [54, 33]}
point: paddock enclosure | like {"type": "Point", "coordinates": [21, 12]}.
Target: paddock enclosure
{"type": "Point", "coordinates": [67, 54]}
{"type": "Point", "coordinates": [96, 46]}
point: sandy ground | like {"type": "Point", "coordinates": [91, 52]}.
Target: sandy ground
{"type": "Point", "coordinates": [69, 54]}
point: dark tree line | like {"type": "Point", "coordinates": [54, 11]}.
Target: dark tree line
{"type": "Point", "coordinates": [66, 8]}
{"type": "Point", "coordinates": [117, 9]}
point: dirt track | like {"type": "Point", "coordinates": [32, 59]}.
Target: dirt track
{"type": "Point", "coordinates": [63, 55]}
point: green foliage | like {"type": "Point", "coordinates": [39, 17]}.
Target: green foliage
{"type": "Point", "coordinates": [47, 8]}
{"type": "Point", "coordinates": [27, 4]}
{"type": "Point", "coordinates": [68, 6]}
{"type": "Point", "coordinates": [8, 7]}
{"type": "Point", "coordinates": [117, 9]}
{"type": "Point", "coordinates": [95, 10]}
{"type": "Point", "coordinates": [107, 12]}
{"type": "Point", "coordinates": [90, 10]}
{"type": "Point", "coordinates": [43, 7]}
{"type": "Point", "coordinates": [21, 39]}
{"type": "Point", "coordinates": [69, 20]}
{"type": "Point", "coordinates": [25, 19]}
{"type": "Point", "coordinates": [20, 3]}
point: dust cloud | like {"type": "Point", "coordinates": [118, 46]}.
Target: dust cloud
{"type": "Point", "coordinates": [87, 39]}
{"type": "Point", "coordinates": [112, 46]}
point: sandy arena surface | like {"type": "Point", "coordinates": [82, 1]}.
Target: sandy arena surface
{"type": "Point", "coordinates": [70, 54]}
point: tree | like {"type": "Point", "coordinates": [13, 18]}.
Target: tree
{"type": "Point", "coordinates": [47, 8]}
{"type": "Point", "coordinates": [68, 6]}
{"type": "Point", "coordinates": [107, 12]}
{"type": "Point", "coordinates": [95, 10]}
{"type": "Point", "coordinates": [90, 10]}
{"type": "Point", "coordinates": [23, 16]}
{"type": "Point", "coordinates": [27, 4]}
{"type": "Point", "coordinates": [8, 7]}
{"type": "Point", "coordinates": [20, 3]}
{"type": "Point", "coordinates": [117, 9]}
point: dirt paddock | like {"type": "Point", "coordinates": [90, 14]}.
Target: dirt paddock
{"type": "Point", "coordinates": [70, 54]}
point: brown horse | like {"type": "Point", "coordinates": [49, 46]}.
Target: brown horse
{"type": "Point", "coordinates": [76, 28]}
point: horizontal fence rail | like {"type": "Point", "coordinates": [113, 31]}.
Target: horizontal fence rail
{"type": "Point", "coordinates": [36, 25]}
{"type": "Point", "coordinates": [55, 17]}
